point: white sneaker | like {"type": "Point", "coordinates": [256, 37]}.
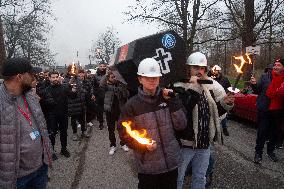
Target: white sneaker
{"type": "Point", "coordinates": [90, 124]}
{"type": "Point", "coordinates": [79, 125]}
{"type": "Point", "coordinates": [125, 148]}
{"type": "Point", "coordinates": [112, 150]}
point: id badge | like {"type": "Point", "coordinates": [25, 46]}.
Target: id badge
{"type": "Point", "coordinates": [34, 135]}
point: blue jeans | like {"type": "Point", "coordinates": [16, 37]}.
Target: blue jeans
{"type": "Point", "coordinates": [35, 180]}
{"type": "Point", "coordinates": [224, 122]}
{"type": "Point", "coordinates": [199, 159]}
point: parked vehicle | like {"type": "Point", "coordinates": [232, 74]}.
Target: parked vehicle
{"type": "Point", "coordinates": [245, 107]}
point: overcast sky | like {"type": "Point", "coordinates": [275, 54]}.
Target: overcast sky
{"type": "Point", "coordinates": [80, 21]}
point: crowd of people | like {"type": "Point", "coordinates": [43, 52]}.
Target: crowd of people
{"type": "Point", "coordinates": [182, 121]}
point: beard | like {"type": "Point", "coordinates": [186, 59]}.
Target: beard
{"type": "Point", "coordinates": [55, 83]}
{"type": "Point", "coordinates": [26, 88]}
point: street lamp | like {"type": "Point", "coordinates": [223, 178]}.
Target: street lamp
{"type": "Point", "coordinates": [98, 51]}
{"type": "Point", "coordinates": [90, 59]}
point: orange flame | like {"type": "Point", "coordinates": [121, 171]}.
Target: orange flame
{"type": "Point", "coordinates": [73, 68]}
{"type": "Point", "coordinates": [140, 137]}
{"type": "Point", "coordinates": [243, 61]}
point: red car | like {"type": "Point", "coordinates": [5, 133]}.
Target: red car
{"type": "Point", "coordinates": [245, 107]}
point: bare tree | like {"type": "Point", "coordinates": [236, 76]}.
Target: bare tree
{"type": "Point", "coordinates": [106, 44]}
{"type": "Point", "coordinates": [2, 47]}
{"type": "Point", "coordinates": [253, 20]}
{"type": "Point", "coordinates": [187, 17]}
{"type": "Point", "coordinates": [26, 26]}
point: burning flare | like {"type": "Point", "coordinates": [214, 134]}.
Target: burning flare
{"type": "Point", "coordinates": [73, 68]}
{"type": "Point", "coordinates": [243, 61]}
{"type": "Point", "coordinates": [140, 137]}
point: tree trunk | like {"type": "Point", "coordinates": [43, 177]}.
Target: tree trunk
{"type": "Point", "coordinates": [2, 47]}
{"type": "Point", "coordinates": [248, 38]}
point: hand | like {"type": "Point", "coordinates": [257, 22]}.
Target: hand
{"type": "Point", "coordinates": [93, 98]}
{"type": "Point", "coordinates": [193, 79]}
{"type": "Point", "coordinates": [252, 80]}
{"type": "Point", "coordinates": [229, 98]}
{"type": "Point", "coordinates": [151, 147]}
{"type": "Point", "coordinates": [166, 93]}
{"type": "Point", "coordinates": [74, 88]}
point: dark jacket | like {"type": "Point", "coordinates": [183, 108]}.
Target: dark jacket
{"type": "Point", "coordinates": [55, 98]}
{"type": "Point", "coordinates": [159, 118]}
{"type": "Point", "coordinates": [262, 101]}
{"type": "Point", "coordinates": [40, 87]}
{"type": "Point", "coordinates": [77, 99]}
{"type": "Point", "coordinates": [223, 81]}
{"type": "Point", "coordinates": [115, 97]}
{"type": "Point", "coordinates": [91, 87]}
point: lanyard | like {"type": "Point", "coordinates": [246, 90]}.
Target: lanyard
{"type": "Point", "coordinates": [26, 113]}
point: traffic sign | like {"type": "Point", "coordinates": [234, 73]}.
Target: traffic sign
{"type": "Point", "coordinates": [253, 50]}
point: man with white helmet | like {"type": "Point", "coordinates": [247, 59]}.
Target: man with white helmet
{"type": "Point", "coordinates": [204, 103]}
{"type": "Point", "coordinates": [152, 110]}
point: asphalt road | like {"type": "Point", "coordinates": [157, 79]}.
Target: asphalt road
{"type": "Point", "coordinates": [90, 166]}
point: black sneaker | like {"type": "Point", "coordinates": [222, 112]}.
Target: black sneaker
{"type": "Point", "coordinates": [54, 157]}
{"type": "Point", "coordinates": [257, 158]}
{"type": "Point", "coordinates": [65, 153]}
{"type": "Point", "coordinates": [272, 157]}
{"type": "Point", "coordinates": [225, 131]}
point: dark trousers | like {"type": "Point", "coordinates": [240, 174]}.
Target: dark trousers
{"type": "Point", "coordinates": [90, 115]}
{"type": "Point", "coordinates": [266, 131]}
{"type": "Point", "coordinates": [100, 111]}
{"type": "Point", "coordinates": [55, 123]}
{"type": "Point", "coordinates": [81, 119]}
{"type": "Point", "coordinates": [35, 180]}
{"type": "Point", "coordinates": [111, 119]}
{"type": "Point", "coordinates": [166, 180]}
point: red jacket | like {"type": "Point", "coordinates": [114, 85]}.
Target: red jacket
{"type": "Point", "coordinates": [274, 93]}
{"type": "Point", "coordinates": [280, 90]}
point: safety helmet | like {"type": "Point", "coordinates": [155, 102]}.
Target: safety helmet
{"type": "Point", "coordinates": [196, 59]}
{"type": "Point", "coordinates": [216, 68]}
{"type": "Point", "coordinates": [149, 67]}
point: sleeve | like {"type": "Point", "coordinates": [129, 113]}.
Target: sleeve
{"type": "Point", "coordinates": [178, 114]}
{"type": "Point", "coordinates": [127, 115]}
{"type": "Point", "coordinates": [271, 90]}
{"type": "Point", "coordinates": [257, 88]}
{"type": "Point", "coordinates": [280, 90]}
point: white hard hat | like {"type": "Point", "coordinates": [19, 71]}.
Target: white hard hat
{"type": "Point", "coordinates": [196, 59]}
{"type": "Point", "coordinates": [149, 67]}
{"type": "Point", "coordinates": [217, 68]}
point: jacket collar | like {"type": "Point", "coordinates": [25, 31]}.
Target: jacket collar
{"type": "Point", "coordinates": [147, 97]}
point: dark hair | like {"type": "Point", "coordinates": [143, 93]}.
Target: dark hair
{"type": "Point", "coordinates": [53, 72]}
{"type": "Point", "coordinates": [81, 71]}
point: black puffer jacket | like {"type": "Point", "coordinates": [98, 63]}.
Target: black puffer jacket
{"type": "Point", "coordinates": [55, 98]}
{"type": "Point", "coordinates": [76, 100]}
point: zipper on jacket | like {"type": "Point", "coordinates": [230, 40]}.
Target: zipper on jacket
{"type": "Point", "coordinates": [162, 143]}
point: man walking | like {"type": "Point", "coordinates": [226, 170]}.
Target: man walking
{"type": "Point", "coordinates": [55, 98]}
{"type": "Point", "coordinates": [101, 72]}
{"type": "Point", "coordinates": [268, 106]}
{"type": "Point", "coordinates": [204, 104]}
{"type": "Point", "coordinates": [25, 147]}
